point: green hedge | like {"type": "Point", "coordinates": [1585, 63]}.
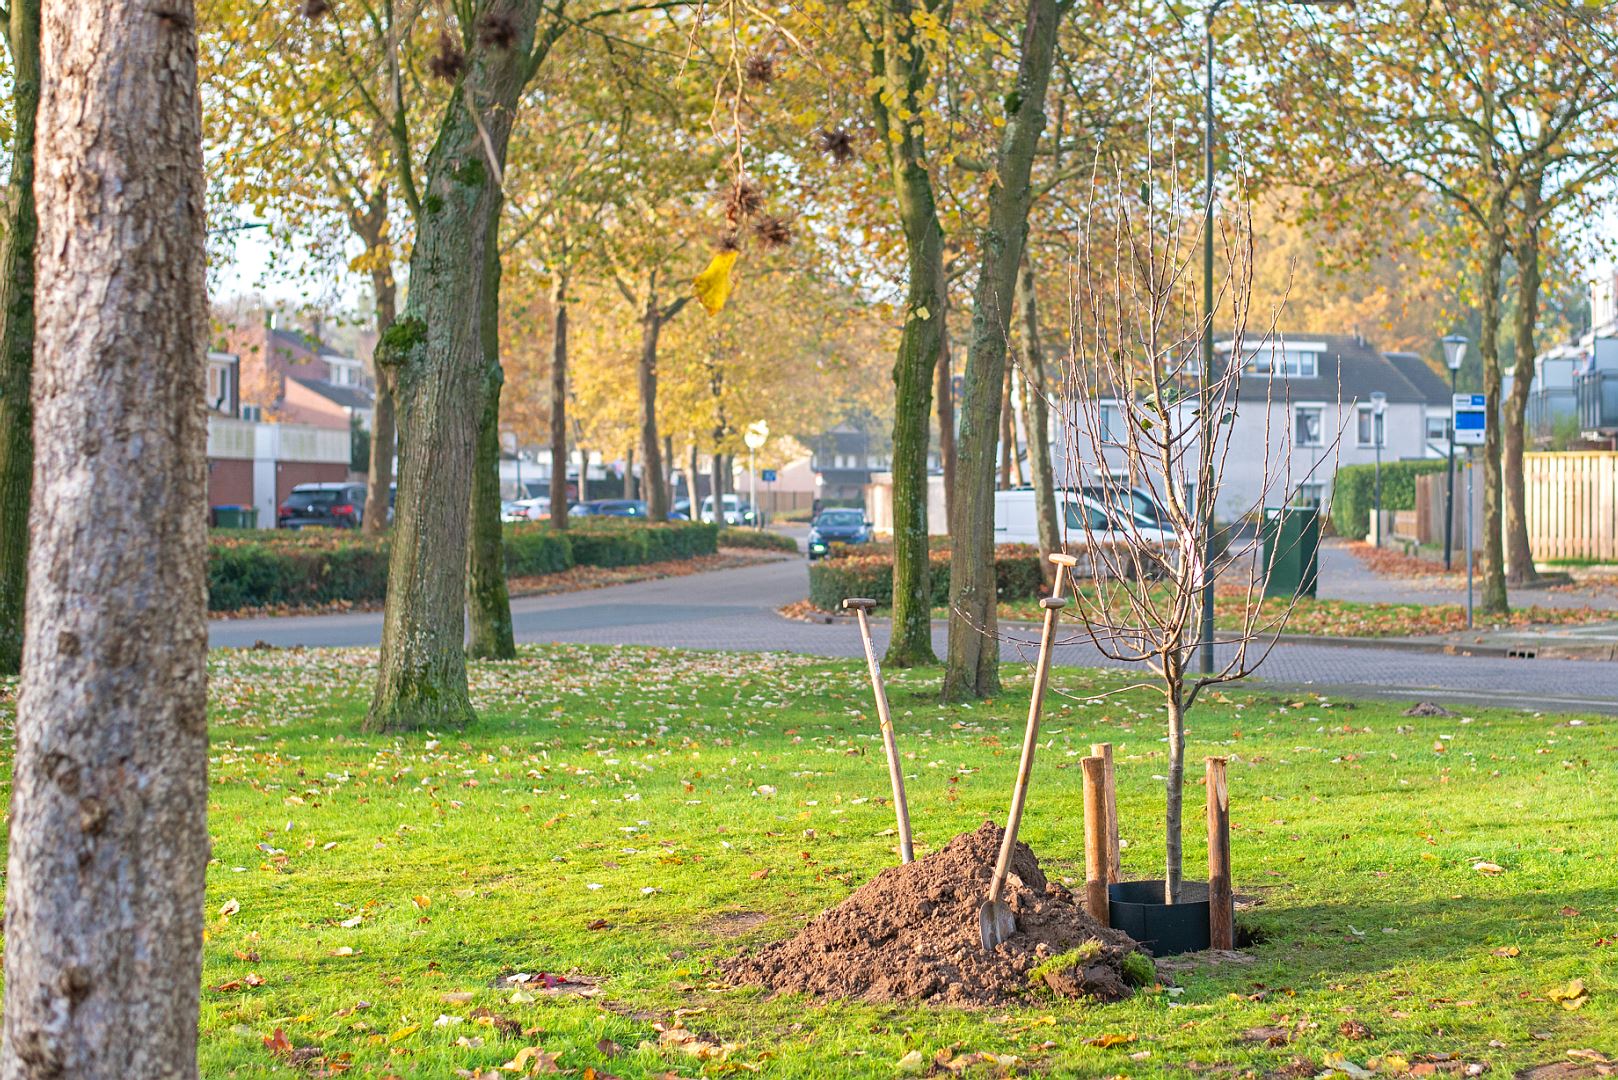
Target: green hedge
{"type": "Point", "coordinates": [1353, 493]}
{"type": "Point", "coordinates": [294, 569]}
{"type": "Point", "coordinates": [762, 539]}
{"type": "Point", "coordinates": [867, 571]}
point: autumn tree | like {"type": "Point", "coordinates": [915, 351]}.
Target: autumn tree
{"type": "Point", "coordinates": [108, 841]}
{"type": "Point", "coordinates": [1486, 104]}
{"type": "Point", "coordinates": [21, 26]}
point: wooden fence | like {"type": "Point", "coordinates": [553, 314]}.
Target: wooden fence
{"type": "Point", "coordinates": [1572, 503]}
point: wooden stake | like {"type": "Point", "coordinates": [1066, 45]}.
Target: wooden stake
{"type": "Point", "coordinates": [1103, 750]}
{"type": "Point", "coordinates": [1221, 911]}
{"type": "Point", "coordinates": [1095, 839]}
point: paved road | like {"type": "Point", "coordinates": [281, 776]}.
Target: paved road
{"type": "Point", "coordinates": [735, 610]}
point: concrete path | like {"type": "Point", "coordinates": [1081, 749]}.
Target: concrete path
{"type": "Point", "coordinates": [1343, 576]}
{"type": "Point", "coordinates": [735, 610]}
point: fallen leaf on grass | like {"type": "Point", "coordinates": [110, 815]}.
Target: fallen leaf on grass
{"type": "Point", "coordinates": [229, 908]}
{"type": "Point", "coordinates": [1269, 1036]}
{"type": "Point", "coordinates": [1508, 951]}
{"type": "Point", "coordinates": [912, 1064]}
{"type": "Point", "coordinates": [278, 1043]}
{"type": "Point", "coordinates": [1572, 996]}
{"type": "Point", "coordinates": [689, 1042]}
{"type": "Point", "coordinates": [608, 1048]}
{"type": "Point", "coordinates": [404, 1032]}
{"type": "Point", "coordinates": [1569, 912]}
{"type": "Point", "coordinates": [760, 875]}
{"type": "Point", "coordinates": [1488, 868]}
{"type": "Point", "coordinates": [1111, 1039]}
{"type": "Point", "coordinates": [531, 1061]}
{"type": "Point", "coordinates": [1353, 1029]}
{"type": "Point", "coordinates": [598, 924]}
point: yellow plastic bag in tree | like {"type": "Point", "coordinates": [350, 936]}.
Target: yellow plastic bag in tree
{"type": "Point", "coordinates": [712, 286]}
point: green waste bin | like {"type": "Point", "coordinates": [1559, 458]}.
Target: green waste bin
{"type": "Point", "coordinates": [235, 517]}
{"type": "Point", "coordinates": [1291, 536]}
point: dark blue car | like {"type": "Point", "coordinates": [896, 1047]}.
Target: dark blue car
{"type": "Point", "coordinates": [837, 527]}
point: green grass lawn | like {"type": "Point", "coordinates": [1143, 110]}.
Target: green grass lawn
{"type": "Point", "coordinates": [630, 816]}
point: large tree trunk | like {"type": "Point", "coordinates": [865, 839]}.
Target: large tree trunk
{"type": "Point", "coordinates": [559, 406]}
{"type": "Point", "coordinates": [17, 334]}
{"type": "Point", "coordinates": [439, 393]}
{"type": "Point", "coordinates": [902, 71]}
{"type": "Point", "coordinates": [487, 600]}
{"type": "Point", "coordinates": [716, 480]}
{"type": "Point", "coordinates": [1036, 410]}
{"type": "Point", "coordinates": [1519, 554]}
{"type": "Point", "coordinates": [944, 392]}
{"type": "Point", "coordinates": [1494, 570]}
{"type": "Point", "coordinates": [380, 477]}
{"type": "Point", "coordinates": [691, 481]}
{"type": "Point", "coordinates": [972, 669]}
{"type": "Point", "coordinates": [108, 836]}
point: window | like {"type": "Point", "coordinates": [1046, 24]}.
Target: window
{"type": "Point", "coordinates": [1370, 429]}
{"type": "Point", "coordinates": [1289, 363]}
{"type": "Point", "coordinates": [1438, 429]}
{"type": "Point", "coordinates": [1308, 426]}
{"type": "Point", "coordinates": [1081, 518]}
{"type": "Point", "coordinates": [218, 386]}
{"type": "Point", "coordinates": [1108, 423]}
{"type": "Point", "coordinates": [1309, 495]}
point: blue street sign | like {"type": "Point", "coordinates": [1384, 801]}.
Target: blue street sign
{"type": "Point", "coordinates": [767, 475]}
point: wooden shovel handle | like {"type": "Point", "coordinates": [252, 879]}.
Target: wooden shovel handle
{"type": "Point", "coordinates": [1052, 606]}
{"type": "Point", "coordinates": [890, 747]}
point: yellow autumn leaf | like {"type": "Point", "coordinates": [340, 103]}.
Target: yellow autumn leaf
{"type": "Point", "coordinates": [1572, 996]}
{"type": "Point", "coordinates": [404, 1032]}
{"type": "Point", "coordinates": [712, 286]}
{"type": "Point", "coordinates": [1112, 1039]}
{"type": "Point", "coordinates": [422, 902]}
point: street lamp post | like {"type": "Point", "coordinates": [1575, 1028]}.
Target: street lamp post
{"type": "Point", "coordinates": [1379, 408]}
{"type": "Point", "coordinates": [755, 437]}
{"type": "Point", "coordinates": [1454, 353]}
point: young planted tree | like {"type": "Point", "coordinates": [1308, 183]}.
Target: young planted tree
{"type": "Point", "coordinates": [108, 839]}
{"type": "Point", "coordinates": [1134, 349]}
{"type": "Point", "coordinates": [21, 25]}
{"type": "Point", "coordinates": [973, 666]}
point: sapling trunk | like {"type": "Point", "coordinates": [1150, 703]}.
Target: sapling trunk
{"type": "Point", "coordinates": [1174, 856]}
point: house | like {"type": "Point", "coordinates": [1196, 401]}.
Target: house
{"type": "Point", "coordinates": [253, 463]}
{"type": "Point", "coordinates": [1303, 408]}
{"type": "Point", "coordinates": [282, 370]}
{"type": "Point", "coordinates": [1575, 384]}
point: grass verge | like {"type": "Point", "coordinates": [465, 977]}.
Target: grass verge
{"type": "Point", "coordinates": [621, 818]}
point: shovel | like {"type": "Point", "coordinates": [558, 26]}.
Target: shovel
{"type": "Point", "coordinates": [861, 607]}
{"type": "Point", "coordinates": [995, 921]}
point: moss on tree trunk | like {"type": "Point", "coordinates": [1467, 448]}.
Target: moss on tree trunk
{"type": "Point", "coordinates": [17, 334]}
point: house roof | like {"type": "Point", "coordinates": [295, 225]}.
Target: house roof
{"type": "Point", "coordinates": [349, 397]}
{"type": "Point", "coordinates": [1349, 368]}
{"type": "Point", "coordinates": [1422, 376]}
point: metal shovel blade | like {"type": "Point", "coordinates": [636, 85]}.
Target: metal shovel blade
{"type": "Point", "coordinates": [995, 923]}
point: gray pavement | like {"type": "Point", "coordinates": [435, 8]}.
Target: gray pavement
{"type": "Point", "coordinates": [1343, 576]}
{"type": "Point", "coordinates": [735, 610]}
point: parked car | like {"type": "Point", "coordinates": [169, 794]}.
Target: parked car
{"type": "Point", "coordinates": [621, 508]}
{"type": "Point", "coordinates": [337, 505]}
{"type": "Point", "coordinates": [1138, 501]}
{"type": "Point", "coordinates": [518, 510]}
{"type": "Point", "coordinates": [736, 511]}
{"type": "Point", "coordinates": [681, 510]}
{"type": "Point", "coordinates": [837, 527]}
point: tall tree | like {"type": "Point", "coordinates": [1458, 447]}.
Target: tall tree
{"type": "Point", "coordinates": [439, 358]}
{"type": "Point", "coordinates": [108, 841]}
{"type": "Point", "coordinates": [973, 666]}
{"type": "Point", "coordinates": [17, 330]}
{"type": "Point", "coordinates": [1036, 407]}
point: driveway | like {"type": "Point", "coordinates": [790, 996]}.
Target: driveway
{"type": "Point", "coordinates": [735, 610]}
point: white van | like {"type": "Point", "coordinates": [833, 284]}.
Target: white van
{"type": "Point", "coordinates": [1081, 518]}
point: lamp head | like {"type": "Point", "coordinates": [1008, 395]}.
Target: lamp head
{"type": "Point", "coordinates": [1455, 351]}
{"type": "Point", "coordinates": [1379, 403]}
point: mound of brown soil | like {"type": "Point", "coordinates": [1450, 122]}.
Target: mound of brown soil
{"type": "Point", "coordinates": [911, 934]}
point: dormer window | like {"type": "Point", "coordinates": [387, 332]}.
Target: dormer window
{"type": "Point", "coordinates": [1287, 360]}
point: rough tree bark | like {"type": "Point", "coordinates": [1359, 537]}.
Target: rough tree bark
{"type": "Point", "coordinates": [108, 834]}
{"type": "Point", "coordinates": [440, 379]}
{"type": "Point", "coordinates": [17, 333]}
{"type": "Point", "coordinates": [487, 600]}
{"type": "Point", "coordinates": [716, 481]}
{"type": "Point", "coordinates": [1037, 411]}
{"type": "Point", "coordinates": [1519, 554]}
{"type": "Point", "coordinates": [559, 405]}
{"type": "Point", "coordinates": [629, 472]}
{"type": "Point", "coordinates": [972, 669]}
{"type": "Point", "coordinates": [1494, 600]}
{"type": "Point", "coordinates": [900, 68]}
